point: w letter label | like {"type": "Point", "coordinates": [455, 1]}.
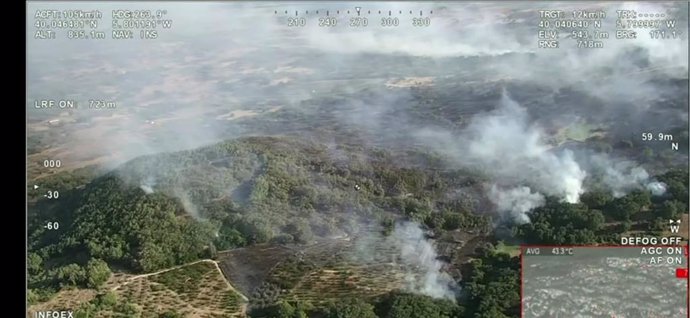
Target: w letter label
{"type": "Point", "coordinates": [674, 225]}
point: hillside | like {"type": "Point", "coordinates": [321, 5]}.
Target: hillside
{"type": "Point", "coordinates": [302, 225]}
{"type": "Point", "coordinates": [159, 211]}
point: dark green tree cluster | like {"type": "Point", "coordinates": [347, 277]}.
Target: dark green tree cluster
{"type": "Point", "coordinates": [350, 308]}
{"type": "Point", "coordinates": [562, 223]}
{"type": "Point", "coordinates": [114, 224]}
{"type": "Point", "coordinates": [110, 304]}
{"type": "Point", "coordinates": [406, 305]}
{"type": "Point", "coordinates": [395, 304]}
{"type": "Point", "coordinates": [677, 184]}
{"type": "Point", "coordinates": [493, 286]}
{"type": "Point", "coordinates": [625, 207]}
{"type": "Point", "coordinates": [284, 309]}
{"type": "Point", "coordinates": [601, 218]}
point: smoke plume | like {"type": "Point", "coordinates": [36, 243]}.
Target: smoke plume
{"type": "Point", "coordinates": [623, 176]}
{"type": "Point", "coordinates": [511, 147]}
{"type": "Point", "coordinates": [514, 203]}
{"type": "Point", "coordinates": [147, 185]}
{"type": "Point", "coordinates": [508, 146]}
{"type": "Point", "coordinates": [656, 187]}
{"type": "Point", "coordinates": [407, 247]}
{"type": "Point", "coordinates": [418, 252]}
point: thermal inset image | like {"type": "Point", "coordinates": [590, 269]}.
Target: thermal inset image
{"type": "Point", "coordinates": [605, 281]}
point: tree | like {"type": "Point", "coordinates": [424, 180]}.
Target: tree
{"type": "Point", "coordinates": [300, 231]}
{"type": "Point", "coordinates": [388, 225]}
{"type": "Point", "coordinates": [71, 275]}
{"type": "Point", "coordinates": [416, 209]}
{"type": "Point", "coordinates": [678, 190]}
{"type": "Point", "coordinates": [106, 301]}
{"type": "Point", "coordinates": [595, 220]}
{"type": "Point", "coordinates": [657, 225]}
{"type": "Point", "coordinates": [34, 264]}
{"type": "Point", "coordinates": [86, 310]}
{"type": "Point", "coordinates": [351, 308]}
{"type": "Point", "coordinates": [152, 257]}
{"type": "Point", "coordinates": [560, 222]}
{"type": "Point", "coordinates": [286, 309]}
{"type": "Point", "coordinates": [129, 310]}
{"type": "Point", "coordinates": [212, 251]}
{"type": "Point", "coordinates": [405, 305]}
{"type": "Point", "coordinates": [170, 314]}
{"type": "Point", "coordinates": [32, 297]}
{"type": "Point", "coordinates": [623, 208]}
{"type": "Point", "coordinates": [669, 209]}
{"type": "Point", "coordinates": [677, 183]}
{"type": "Point", "coordinates": [97, 273]}
{"type": "Point", "coordinates": [230, 238]}
{"type": "Point", "coordinates": [641, 198]}
{"type": "Point", "coordinates": [596, 199]}
{"type": "Point", "coordinates": [493, 286]}
{"type": "Point", "coordinates": [452, 221]}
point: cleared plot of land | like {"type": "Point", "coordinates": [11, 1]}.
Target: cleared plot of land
{"type": "Point", "coordinates": [512, 250]}
{"type": "Point", "coordinates": [194, 290]}
{"type": "Point", "coordinates": [66, 299]}
{"type": "Point", "coordinates": [333, 271]}
{"type": "Point", "coordinates": [347, 281]}
{"type": "Point", "coordinates": [248, 267]}
{"type": "Point", "coordinates": [197, 290]}
{"type": "Point", "coordinates": [330, 270]}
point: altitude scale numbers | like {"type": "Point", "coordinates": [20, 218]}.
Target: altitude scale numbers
{"type": "Point", "coordinates": [356, 18]}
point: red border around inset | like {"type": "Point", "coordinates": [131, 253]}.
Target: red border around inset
{"type": "Point", "coordinates": [524, 246]}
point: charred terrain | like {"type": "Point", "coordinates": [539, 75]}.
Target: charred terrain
{"type": "Point", "coordinates": [366, 181]}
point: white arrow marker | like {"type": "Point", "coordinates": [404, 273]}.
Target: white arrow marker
{"type": "Point", "coordinates": [35, 187]}
{"type": "Point", "coordinates": [358, 8]}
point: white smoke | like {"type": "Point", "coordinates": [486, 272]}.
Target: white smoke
{"type": "Point", "coordinates": [418, 252]}
{"type": "Point", "coordinates": [656, 188]}
{"type": "Point", "coordinates": [147, 185]}
{"type": "Point", "coordinates": [187, 204]}
{"type": "Point", "coordinates": [507, 146]}
{"type": "Point", "coordinates": [515, 202]}
{"type": "Point", "coordinates": [147, 188]}
{"type": "Point", "coordinates": [505, 141]}
{"type": "Point", "coordinates": [621, 177]}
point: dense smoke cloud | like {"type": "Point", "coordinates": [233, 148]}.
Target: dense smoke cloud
{"type": "Point", "coordinates": [515, 202]}
{"type": "Point", "coordinates": [505, 144]}
{"type": "Point", "coordinates": [418, 252]}
{"type": "Point", "coordinates": [408, 247]}
{"type": "Point", "coordinates": [505, 141]}
{"type": "Point", "coordinates": [508, 146]}
{"type": "Point", "coordinates": [623, 176]}
{"type": "Point", "coordinates": [656, 187]}
{"type": "Point", "coordinates": [199, 79]}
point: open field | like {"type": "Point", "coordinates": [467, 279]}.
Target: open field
{"type": "Point", "coordinates": [194, 290]}
{"type": "Point", "coordinates": [332, 269]}
{"type": "Point", "coordinates": [512, 250]}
